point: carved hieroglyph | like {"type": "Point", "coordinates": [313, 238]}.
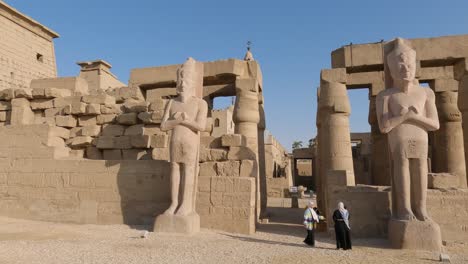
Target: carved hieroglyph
{"type": "Point", "coordinates": [186, 116]}
{"type": "Point", "coordinates": [406, 111]}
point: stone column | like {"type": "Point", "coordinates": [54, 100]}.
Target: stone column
{"type": "Point", "coordinates": [261, 159]}
{"type": "Point", "coordinates": [319, 157]}
{"type": "Point", "coordinates": [461, 74]}
{"type": "Point", "coordinates": [448, 152]}
{"type": "Point", "coordinates": [246, 118]}
{"type": "Point", "coordinates": [380, 160]}
{"type": "Point", "coordinates": [335, 140]}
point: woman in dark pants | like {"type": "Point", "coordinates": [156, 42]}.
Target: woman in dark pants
{"type": "Point", "coordinates": [341, 219]}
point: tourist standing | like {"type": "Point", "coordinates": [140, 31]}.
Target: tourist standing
{"type": "Point", "coordinates": [310, 217]}
{"type": "Point", "coordinates": [342, 228]}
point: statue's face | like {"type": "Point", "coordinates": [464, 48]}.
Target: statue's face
{"type": "Point", "coordinates": [185, 84]}
{"type": "Point", "coordinates": [403, 65]}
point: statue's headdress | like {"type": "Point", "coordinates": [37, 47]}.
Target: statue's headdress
{"type": "Point", "coordinates": [396, 49]}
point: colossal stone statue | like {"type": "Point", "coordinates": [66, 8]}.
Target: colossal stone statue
{"type": "Point", "coordinates": [186, 116]}
{"type": "Point", "coordinates": [405, 112]}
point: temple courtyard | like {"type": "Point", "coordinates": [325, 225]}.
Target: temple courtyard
{"type": "Point", "coordinates": [280, 241]}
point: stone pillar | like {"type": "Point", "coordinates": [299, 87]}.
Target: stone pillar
{"type": "Point", "coordinates": [461, 74]}
{"type": "Point", "coordinates": [447, 148]}
{"type": "Point", "coordinates": [246, 118]}
{"type": "Point", "coordinates": [380, 160]}
{"type": "Point", "coordinates": [261, 159]}
{"type": "Point", "coordinates": [320, 162]}
{"type": "Point", "coordinates": [335, 140]}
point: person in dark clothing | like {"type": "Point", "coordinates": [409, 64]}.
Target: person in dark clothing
{"type": "Point", "coordinates": [342, 228]}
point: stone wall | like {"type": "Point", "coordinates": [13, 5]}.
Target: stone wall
{"type": "Point", "coordinates": [278, 168]}
{"type": "Point", "coordinates": [447, 207]}
{"type": "Point", "coordinates": [26, 49]}
{"type": "Point", "coordinates": [74, 157]}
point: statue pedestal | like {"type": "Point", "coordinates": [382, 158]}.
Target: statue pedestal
{"type": "Point", "coordinates": [188, 224]}
{"type": "Point", "coordinates": [415, 234]}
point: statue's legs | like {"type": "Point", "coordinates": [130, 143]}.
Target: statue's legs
{"type": "Point", "coordinates": [186, 206]}
{"type": "Point", "coordinates": [401, 187]}
{"type": "Point", "coordinates": [419, 188]}
{"type": "Point", "coordinates": [175, 184]}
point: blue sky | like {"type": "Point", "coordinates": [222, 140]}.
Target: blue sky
{"type": "Point", "coordinates": [292, 41]}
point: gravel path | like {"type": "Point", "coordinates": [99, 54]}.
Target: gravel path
{"type": "Point", "coordinates": [31, 242]}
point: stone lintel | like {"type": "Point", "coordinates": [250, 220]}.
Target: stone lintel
{"type": "Point", "coordinates": [437, 51]}
{"type": "Point", "coordinates": [215, 72]}
{"type": "Point", "coordinates": [442, 85]}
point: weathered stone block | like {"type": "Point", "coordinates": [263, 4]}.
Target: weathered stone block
{"type": "Point", "coordinates": [62, 102]}
{"type": "Point", "coordinates": [140, 141]}
{"type": "Point", "coordinates": [52, 112]}
{"type": "Point", "coordinates": [93, 109]}
{"type": "Point", "coordinates": [127, 119]}
{"type": "Point", "coordinates": [78, 108]}
{"type": "Point", "coordinates": [159, 141]}
{"type": "Point", "coordinates": [81, 141]}
{"type": "Point", "coordinates": [5, 105]}
{"type": "Point", "coordinates": [157, 104]}
{"type": "Point", "coordinates": [113, 130]}
{"type": "Point", "coordinates": [67, 110]}
{"type": "Point", "coordinates": [135, 106]}
{"type": "Point", "coordinates": [76, 131]}
{"type": "Point", "coordinates": [241, 153]}
{"type": "Point", "coordinates": [442, 181]}
{"type": "Point", "coordinates": [218, 155]}
{"type": "Point", "coordinates": [134, 130]}
{"type": "Point", "coordinates": [38, 104]}
{"type": "Point", "coordinates": [38, 93]}
{"type": "Point", "coordinates": [99, 99]}
{"type": "Point", "coordinates": [229, 168]}
{"type": "Point", "coordinates": [87, 120]}
{"type": "Point", "coordinates": [210, 142]}
{"type": "Point", "coordinates": [65, 121]}
{"type": "Point", "coordinates": [204, 185]}
{"type": "Point", "coordinates": [145, 117]}
{"type": "Point", "coordinates": [105, 119]}
{"type": "Point", "coordinates": [248, 168]}
{"type": "Point", "coordinates": [112, 154]}
{"type": "Point", "coordinates": [233, 140]}
{"type": "Point", "coordinates": [93, 153]}
{"type": "Point", "coordinates": [152, 130]}
{"type": "Point", "coordinates": [208, 169]}
{"type": "Point", "coordinates": [110, 109]}
{"type": "Point", "coordinates": [92, 130]}
{"type": "Point", "coordinates": [105, 142]}
{"type": "Point", "coordinates": [122, 142]}
{"type": "Point", "coordinates": [55, 92]}
{"type": "Point", "coordinates": [23, 93]}
{"type": "Point", "coordinates": [59, 132]}
{"type": "Point", "coordinates": [7, 94]}
{"type": "Point", "coordinates": [3, 116]}
{"type": "Point", "coordinates": [160, 154]}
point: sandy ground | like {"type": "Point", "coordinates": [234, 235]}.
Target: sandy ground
{"type": "Point", "coordinates": [280, 241]}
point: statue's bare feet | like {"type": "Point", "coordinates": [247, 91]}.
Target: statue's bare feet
{"type": "Point", "coordinates": [183, 210]}
{"type": "Point", "coordinates": [422, 215]}
{"type": "Point", "coordinates": [171, 209]}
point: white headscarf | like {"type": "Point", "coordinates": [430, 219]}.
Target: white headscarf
{"type": "Point", "coordinates": [344, 214]}
{"type": "Point", "coordinates": [311, 208]}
